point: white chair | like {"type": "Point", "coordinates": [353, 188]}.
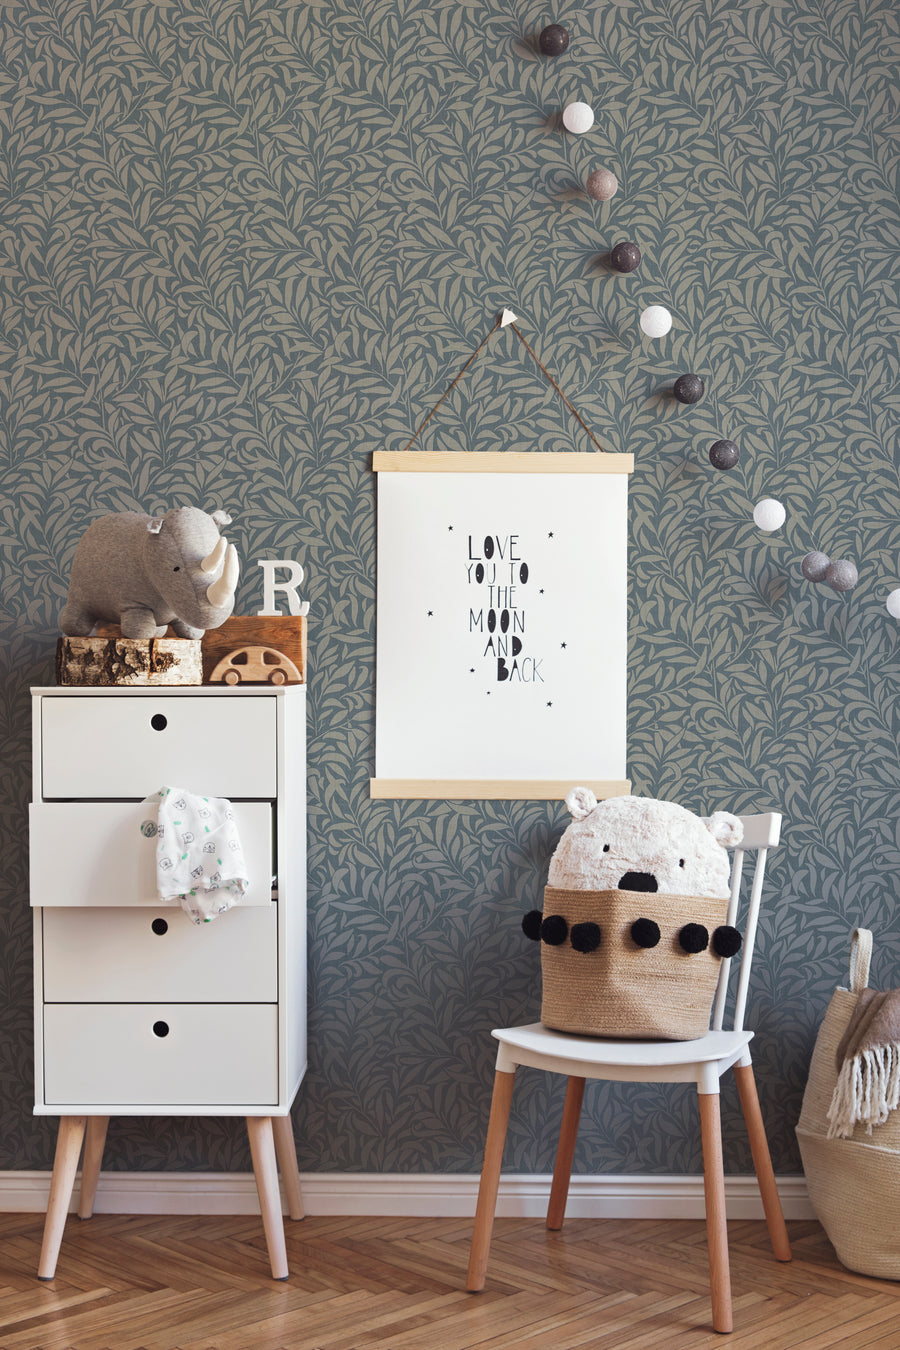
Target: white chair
{"type": "Point", "coordinates": [701, 1062]}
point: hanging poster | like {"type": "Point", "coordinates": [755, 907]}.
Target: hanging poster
{"type": "Point", "coordinates": [502, 626]}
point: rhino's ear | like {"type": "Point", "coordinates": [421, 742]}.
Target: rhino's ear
{"type": "Point", "coordinates": [726, 829]}
{"type": "Point", "coordinates": [154, 525]}
{"type": "Point", "coordinates": [221, 518]}
{"type": "Point", "coordinates": [581, 802]}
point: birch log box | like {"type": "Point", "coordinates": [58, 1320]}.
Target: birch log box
{"type": "Point", "coordinates": [282, 633]}
{"type": "Point", "coordinates": [120, 661]}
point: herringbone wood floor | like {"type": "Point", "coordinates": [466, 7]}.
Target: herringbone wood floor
{"type": "Point", "coordinates": [149, 1283]}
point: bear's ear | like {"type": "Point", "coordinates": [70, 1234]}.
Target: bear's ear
{"type": "Point", "coordinates": [581, 802]}
{"type": "Point", "coordinates": [725, 828]}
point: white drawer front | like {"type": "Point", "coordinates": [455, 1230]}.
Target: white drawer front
{"type": "Point", "coordinates": [118, 955]}
{"type": "Point", "coordinates": [129, 747]}
{"type": "Point", "coordinates": [110, 1055]}
{"type": "Point", "coordinates": [93, 853]}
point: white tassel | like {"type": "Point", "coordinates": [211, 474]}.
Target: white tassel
{"type": "Point", "coordinates": [867, 1090]}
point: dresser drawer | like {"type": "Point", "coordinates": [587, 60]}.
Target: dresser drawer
{"type": "Point", "coordinates": [138, 955]}
{"type": "Point", "coordinates": [93, 853]}
{"type": "Point", "coordinates": [111, 747]}
{"type": "Point", "coordinates": [207, 1055]}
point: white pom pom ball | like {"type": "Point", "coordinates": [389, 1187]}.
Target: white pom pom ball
{"type": "Point", "coordinates": [656, 321]}
{"type": "Point", "coordinates": [893, 604]}
{"type": "Point", "coordinates": [769, 514]}
{"type": "Point", "coordinates": [578, 118]}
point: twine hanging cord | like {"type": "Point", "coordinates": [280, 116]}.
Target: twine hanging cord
{"type": "Point", "coordinates": [533, 354]}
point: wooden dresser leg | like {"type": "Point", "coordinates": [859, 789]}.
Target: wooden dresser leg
{"type": "Point", "coordinates": [762, 1162]}
{"type": "Point", "coordinates": [565, 1153]}
{"type": "Point", "coordinates": [490, 1180]}
{"type": "Point", "coordinates": [262, 1151]}
{"type": "Point", "coordinates": [714, 1194]}
{"type": "Point", "coordinates": [286, 1156]}
{"type": "Point", "coordinates": [94, 1140]}
{"type": "Point", "coordinates": [65, 1165]}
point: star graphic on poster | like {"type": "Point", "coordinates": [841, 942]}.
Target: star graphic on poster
{"type": "Point", "coordinates": [541, 591]}
{"type": "Point", "coordinates": [549, 705]}
{"type": "Point", "coordinates": [450, 528]}
{"type": "Point", "coordinates": [564, 645]}
{"type": "Point", "coordinates": [550, 535]}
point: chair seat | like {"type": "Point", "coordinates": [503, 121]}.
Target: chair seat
{"type": "Point", "coordinates": [704, 1059]}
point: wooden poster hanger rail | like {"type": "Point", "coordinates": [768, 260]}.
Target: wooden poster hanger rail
{"type": "Point", "coordinates": [505, 320]}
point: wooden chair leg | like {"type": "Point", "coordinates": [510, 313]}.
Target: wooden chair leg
{"type": "Point", "coordinates": [94, 1141]}
{"type": "Point", "coordinates": [286, 1156]}
{"type": "Point", "coordinates": [565, 1153]}
{"type": "Point", "coordinates": [65, 1165]}
{"type": "Point", "coordinates": [714, 1193]}
{"type": "Point", "coordinates": [265, 1169]}
{"type": "Point", "coordinates": [490, 1180]}
{"type": "Point", "coordinates": [762, 1161]}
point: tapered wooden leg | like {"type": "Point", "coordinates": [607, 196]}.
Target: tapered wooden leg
{"type": "Point", "coordinates": [94, 1140]}
{"type": "Point", "coordinates": [65, 1165]}
{"type": "Point", "coordinates": [490, 1180]}
{"type": "Point", "coordinates": [762, 1161]}
{"type": "Point", "coordinates": [714, 1193]}
{"type": "Point", "coordinates": [286, 1155]}
{"type": "Point", "coordinates": [262, 1151]}
{"type": "Point", "coordinates": [565, 1153]}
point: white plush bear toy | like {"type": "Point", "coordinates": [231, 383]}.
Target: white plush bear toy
{"type": "Point", "coordinates": [634, 925]}
{"type": "Point", "coordinates": [639, 844]}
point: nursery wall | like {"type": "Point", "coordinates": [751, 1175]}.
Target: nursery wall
{"type": "Point", "coordinates": [244, 244]}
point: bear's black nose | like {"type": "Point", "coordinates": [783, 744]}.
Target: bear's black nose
{"type": "Point", "coordinates": [638, 881]}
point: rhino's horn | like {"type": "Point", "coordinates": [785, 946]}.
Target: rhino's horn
{"type": "Point", "coordinates": [213, 561]}
{"type": "Point", "coordinates": [221, 591]}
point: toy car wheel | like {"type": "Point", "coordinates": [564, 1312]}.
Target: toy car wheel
{"type": "Point", "coordinates": [231, 677]}
{"type": "Point", "coordinates": [277, 677]}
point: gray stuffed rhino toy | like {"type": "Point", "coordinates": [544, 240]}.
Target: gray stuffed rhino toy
{"type": "Point", "coordinates": [146, 572]}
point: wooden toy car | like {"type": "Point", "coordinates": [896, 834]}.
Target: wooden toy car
{"type": "Point", "coordinates": [255, 665]}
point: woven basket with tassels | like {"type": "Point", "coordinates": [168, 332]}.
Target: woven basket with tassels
{"type": "Point", "coordinates": [621, 988]}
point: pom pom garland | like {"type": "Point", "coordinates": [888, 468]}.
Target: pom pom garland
{"type": "Point", "coordinates": [586, 937]}
{"type": "Point", "coordinates": [554, 930]}
{"type": "Point", "coordinates": [655, 321]}
{"type": "Point", "coordinates": [726, 941]}
{"type": "Point", "coordinates": [625, 257]}
{"type": "Point", "coordinates": [689, 389]}
{"type": "Point", "coordinates": [724, 454]}
{"type": "Point", "coordinates": [531, 924]}
{"type": "Point", "coordinates": [554, 39]}
{"type": "Point", "coordinates": [693, 938]}
{"type": "Point", "coordinates": [645, 933]}
{"type": "Point", "coordinates": [815, 565]}
{"type": "Point", "coordinates": [578, 118]}
{"type": "Point", "coordinates": [769, 514]}
{"type": "Point", "coordinates": [601, 185]}
{"type": "Point", "coordinates": [841, 575]}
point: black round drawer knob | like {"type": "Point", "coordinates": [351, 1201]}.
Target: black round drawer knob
{"type": "Point", "coordinates": [159, 722]}
{"type": "Point", "coordinates": [159, 927]}
{"type": "Point", "coordinates": [160, 1028]}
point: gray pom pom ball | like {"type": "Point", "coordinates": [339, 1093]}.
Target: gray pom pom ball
{"type": "Point", "coordinates": [689, 389]}
{"type": "Point", "coordinates": [815, 565]}
{"type": "Point", "coordinates": [724, 454]}
{"type": "Point", "coordinates": [601, 185]}
{"type": "Point", "coordinates": [842, 575]}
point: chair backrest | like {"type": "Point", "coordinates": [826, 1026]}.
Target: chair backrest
{"type": "Point", "coordinates": [760, 834]}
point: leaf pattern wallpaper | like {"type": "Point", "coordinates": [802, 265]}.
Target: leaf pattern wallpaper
{"type": "Point", "coordinates": [245, 243]}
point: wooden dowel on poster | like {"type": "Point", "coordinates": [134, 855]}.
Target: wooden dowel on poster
{"type": "Point", "coordinates": [490, 789]}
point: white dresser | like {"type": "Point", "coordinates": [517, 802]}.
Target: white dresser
{"type": "Point", "coordinates": [138, 1011]}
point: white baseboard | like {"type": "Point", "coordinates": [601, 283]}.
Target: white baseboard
{"type": "Point", "coordinates": [417, 1195]}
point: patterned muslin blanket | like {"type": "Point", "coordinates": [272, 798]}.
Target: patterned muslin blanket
{"type": "Point", "coordinates": [199, 860]}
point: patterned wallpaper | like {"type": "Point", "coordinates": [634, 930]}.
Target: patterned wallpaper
{"type": "Point", "coordinates": [245, 243]}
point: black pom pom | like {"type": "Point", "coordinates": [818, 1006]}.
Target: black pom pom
{"type": "Point", "coordinates": [554, 930]}
{"type": "Point", "coordinates": [726, 941]}
{"type": "Point", "coordinates": [625, 257]}
{"type": "Point", "coordinates": [645, 932]}
{"type": "Point", "coordinates": [531, 924]}
{"type": "Point", "coordinates": [694, 938]}
{"type": "Point", "coordinates": [586, 937]}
